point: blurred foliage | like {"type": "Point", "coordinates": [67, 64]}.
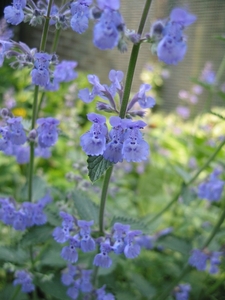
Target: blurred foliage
{"type": "Point", "coordinates": [137, 193]}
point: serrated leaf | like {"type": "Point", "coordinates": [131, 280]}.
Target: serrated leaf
{"type": "Point", "coordinates": [134, 224]}
{"type": "Point", "coordinates": [86, 209]}
{"type": "Point", "coordinates": [37, 235]}
{"type": "Point", "coordinates": [97, 165]}
{"type": "Point", "coordinates": [13, 255]}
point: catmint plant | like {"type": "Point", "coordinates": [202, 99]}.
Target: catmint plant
{"type": "Point", "coordinates": [68, 243]}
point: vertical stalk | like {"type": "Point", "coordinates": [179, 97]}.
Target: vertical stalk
{"type": "Point", "coordinates": [122, 114]}
{"type": "Point", "coordinates": [35, 105]}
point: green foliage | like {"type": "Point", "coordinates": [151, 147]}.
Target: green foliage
{"type": "Point", "coordinates": [97, 166]}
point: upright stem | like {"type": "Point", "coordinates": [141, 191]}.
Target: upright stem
{"type": "Point", "coordinates": [187, 267]}
{"type": "Point", "coordinates": [122, 114]}
{"type": "Point", "coordinates": [132, 62]}
{"type": "Point", "coordinates": [103, 199]}
{"type": "Point", "coordinates": [35, 105]}
{"type": "Point", "coordinates": [188, 183]}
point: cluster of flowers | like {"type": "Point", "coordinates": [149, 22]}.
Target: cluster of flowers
{"type": "Point", "coordinates": [46, 72]}
{"type": "Point", "coordinates": [199, 259]}
{"type": "Point", "coordinates": [79, 280]}
{"type": "Point", "coordinates": [109, 29]}
{"type": "Point", "coordinates": [13, 137]}
{"type": "Point", "coordinates": [28, 214]}
{"type": "Point", "coordinates": [25, 279]}
{"type": "Point", "coordinates": [124, 141]}
{"type": "Point", "coordinates": [169, 42]}
{"type": "Point", "coordinates": [122, 240]}
{"type": "Point", "coordinates": [181, 292]}
{"type": "Point", "coordinates": [213, 188]}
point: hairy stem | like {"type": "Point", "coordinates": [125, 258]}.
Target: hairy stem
{"type": "Point", "coordinates": [175, 198]}
{"type": "Point", "coordinates": [103, 199]}
{"type": "Point", "coordinates": [123, 109]}
{"type": "Point", "coordinates": [132, 62]}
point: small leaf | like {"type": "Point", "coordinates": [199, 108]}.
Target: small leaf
{"type": "Point", "coordinates": [182, 173]}
{"type": "Point", "coordinates": [97, 165]}
{"type": "Point", "coordinates": [86, 209]}
{"type": "Point", "coordinates": [39, 189]}
{"type": "Point", "coordinates": [37, 235]}
{"type": "Point", "coordinates": [13, 255]}
{"type": "Point", "coordinates": [51, 256]}
{"type": "Point", "coordinates": [134, 224]}
{"type": "Point", "coordinates": [143, 285]}
{"type": "Point", "coordinates": [176, 244]}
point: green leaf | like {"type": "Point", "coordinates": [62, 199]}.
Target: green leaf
{"type": "Point", "coordinates": [37, 235]}
{"type": "Point", "coordinates": [53, 288]}
{"type": "Point", "coordinates": [182, 173]}
{"type": "Point", "coordinates": [51, 256]}
{"type": "Point", "coordinates": [86, 209]}
{"type": "Point", "coordinates": [176, 244]}
{"type": "Point", "coordinates": [13, 255]}
{"type": "Point", "coordinates": [134, 224]}
{"type": "Point", "coordinates": [143, 285]}
{"type": "Point", "coordinates": [39, 189]}
{"type": "Point", "coordinates": [97, 165]}
{"type": "Point", "coordinates": [26, 124]}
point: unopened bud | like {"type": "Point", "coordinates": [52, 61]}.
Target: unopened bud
{"type": "Point", "coordinates": [32, 135]}
{"type": "Point", "coordinates": [4, 112]}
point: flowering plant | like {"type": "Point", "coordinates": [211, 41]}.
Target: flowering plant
{"type": "Point", "coordinates": [66, 245]}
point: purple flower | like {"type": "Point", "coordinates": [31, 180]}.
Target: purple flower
{"type": "Point", "coordinates": [134, 149]}
{"type": "Point", "coordinates": [101, 294]}
{"type": "Point", "coordinates": [67, 277]}
{"type": "Point", "coordinates": [214, 262]}
{"type": "Point", "coordinates": [132, 249]}
{"type": "Point", "coordinates": [120, 231]}
{"type": "Point", "coordinates": [182, 292]}
{"type": "Point", "coordinates": [40, 74]}
{"type": "Point", "coordinates": [182, 17]}
{"type": "Point", "coordinates": [113, 151]}
{"type": "Point", "coordinates": [19, 222]}
{"type": "Point", "coordinates": [86, 285]}
{"type": "Point", "coordinates": [22, 154]}
{"type": "Point", "coordinates": [69, 253]}
{"type": "Point", "coordinates": [8, 211]}
{"type": "Point", "coordinates": [4, 47]}
{"type": "Point", "coordinates": [183, 111]}
{"type": "Point", "coordinates": [87, 243]}
{"type": "Point", "coordinates": [169, 40]}
{"type": "Point", "coordinates": [211, 189]}
{"type": "Point", "coordinates": [102, 259]}
{"type": "Point", "coordinates": [47, 132]}
{"type": "Point", "coordinates": [107, 30]}
{"type": "Point", "coordinates": [17, 134]}
{"type": "Point", "coordinates": [14, 13]}
{"type": "Point", "coordinates": [94, 141]}
{"type": "Point", "coordinates": [143, 100]}
{"type": "Point", "coordinates": [80, 16]}
{"type": "Point", "coordinates": [64, 72]}
{"type": "Point", "coordinates": [24, 278]}
{"type": "Point", "coordinates": [198, 259]}
{"type": "Point", "coordinates": [111, 4]}
{"type": "Point", "coordinates": [73, 291]}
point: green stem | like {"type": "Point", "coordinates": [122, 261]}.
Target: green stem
{"type": "Point", "coordinates": [187, 268]}
{"type": "Point", "coordinates": [132, 62]}
{"type": "Point", "coordinates": [215, 230]}
{"type": "Point", "coordinates": [175, 198]}
{"type": "Point", "coordinates": [31, 164]}
{"type": "Point", "coordinates": [206, 163]}
{"type": "Point", "coordinates": [16, 292]}
{"type": "Point", "coordinates": [220, 70]}
{"type": "Point", "coordinates": [122, 114]}
{"type": "Point", "coordinates": [103, 199]}
{"type": "Point", "coordinates": [45, 30]}
{"type": "Point", "coordinates": [56, 40]}
{"type": "Point", "coordinates": [188, 183]}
